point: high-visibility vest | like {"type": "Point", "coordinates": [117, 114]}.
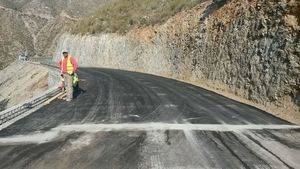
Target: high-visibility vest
{"type": "Point", "coordinates": [70, 67]}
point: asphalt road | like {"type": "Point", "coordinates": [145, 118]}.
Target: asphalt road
{"type": "Point", "coordinates": [130, 120]}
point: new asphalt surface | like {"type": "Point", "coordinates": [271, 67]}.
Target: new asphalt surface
{"type": "Point", "coordinates": [129, 120]}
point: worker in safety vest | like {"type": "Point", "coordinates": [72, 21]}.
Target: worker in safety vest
{"type": "Point", "coordinates": [68, 66]}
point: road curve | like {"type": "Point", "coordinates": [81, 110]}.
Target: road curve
{"type": "Point", "coordinates": [128, 120]}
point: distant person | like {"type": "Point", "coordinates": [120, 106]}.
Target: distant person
{"type": "Point", "coordinates": [68, 66]}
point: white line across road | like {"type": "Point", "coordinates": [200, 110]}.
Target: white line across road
{"type": "Point", "coordinates": [167, 126]}
{"type": "Point", "coordinates": [42, 137]}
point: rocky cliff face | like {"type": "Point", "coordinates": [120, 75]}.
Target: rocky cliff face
{"type": "Point", "coordinates": [251, 47]}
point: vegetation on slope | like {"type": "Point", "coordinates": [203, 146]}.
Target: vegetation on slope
{"type": "Point", "coordinates": [122, 15]}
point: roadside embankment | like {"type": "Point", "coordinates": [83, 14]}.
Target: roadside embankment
{"type": "Point", "coordinates": [245, 50]}
{"type": "Point", "coordinates": [21, 81]}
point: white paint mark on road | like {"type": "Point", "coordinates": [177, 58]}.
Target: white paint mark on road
{"type": "Point", "coordinates": [38, 138]}
{"type": "Point", "coordinates": [170, 105]}
{"type": "Point", "coordinates": [131, 115]}
{"type": "Point", "coordinates": [166, 126]}
{"type": "Point", "coordinates": [94, 128]}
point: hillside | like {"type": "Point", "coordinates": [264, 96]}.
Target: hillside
{"type": "Point", "coordinates": [22, 32]}
{"type": "Point", "coordinates": [248, 49]}
{"type": "Point", "coordinates": [32, 25]}
{"type": "Point", "coordinates": [122, 16]}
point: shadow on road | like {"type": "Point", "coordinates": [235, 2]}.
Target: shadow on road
{"type": "Point", "coordinates": [78, 91]}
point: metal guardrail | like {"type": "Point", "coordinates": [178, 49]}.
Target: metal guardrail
{"type": "Point", "coordinates": [43, 61]}
{"type": "Point", "coordinates": [18, 110]}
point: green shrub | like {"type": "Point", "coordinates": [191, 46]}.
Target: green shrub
{"type": "Point", "coordinates": [122, 15]}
